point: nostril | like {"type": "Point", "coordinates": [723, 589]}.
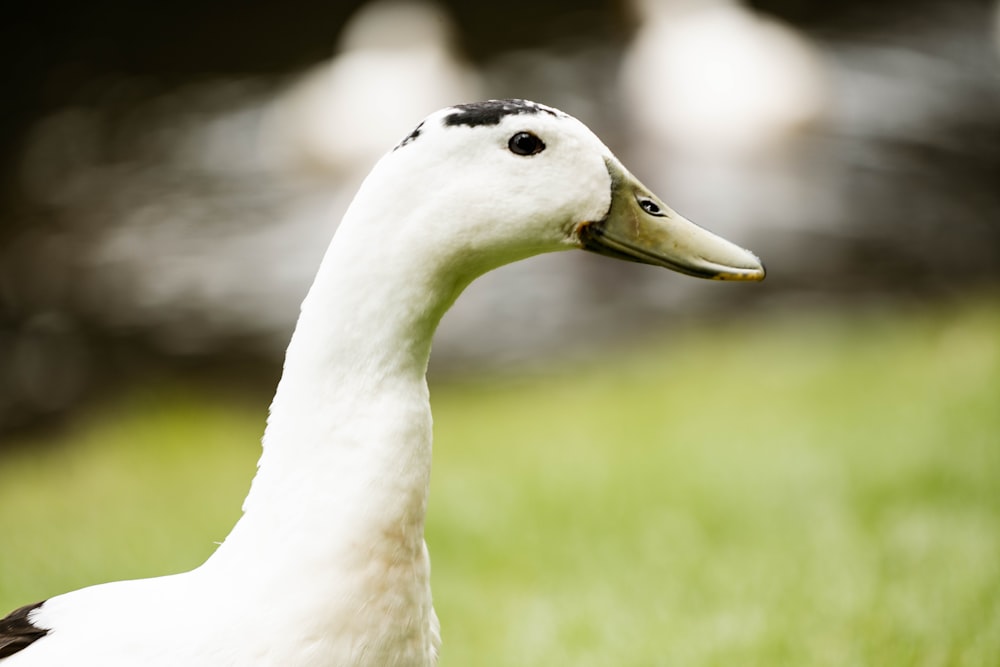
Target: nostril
{"type": "Point", "coordinates": [650, 206]}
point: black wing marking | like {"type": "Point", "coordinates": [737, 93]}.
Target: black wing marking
{"type": "Point", "coordinates": [18, 632]}
{"type": "Point", "coordinates": [491, 112]}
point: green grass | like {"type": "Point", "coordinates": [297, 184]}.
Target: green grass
{"type": "Point", "coordinates": [818, 490]}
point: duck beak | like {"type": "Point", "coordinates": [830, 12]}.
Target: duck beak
{"type": "Point", "coordinates": [641, 228]}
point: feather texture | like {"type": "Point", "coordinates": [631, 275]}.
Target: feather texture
{"type": "Point", "coordinates": [17, 631]}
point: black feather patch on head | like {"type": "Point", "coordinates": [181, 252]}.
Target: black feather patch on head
{"type": "Point", "coordinates": [491, 112]}
{"type": "Point", "coordinates": [18, 632]}
{"type": "Point", "coordinates": [411, 136]}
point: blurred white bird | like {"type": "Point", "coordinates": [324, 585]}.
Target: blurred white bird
{"type": "Point", "coordinates": [713, 75]}
{"type": "Point", "coordinates": [396, 61]}
{"type": "Point", "coordinates": [227, 254]}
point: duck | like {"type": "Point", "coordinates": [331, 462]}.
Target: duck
{"type": "Point", "coordinates": [396, 60]}
{"type": "Point", "coordinates": [327, 564]}
{"type": "Point", "coordinates": [739, 82]}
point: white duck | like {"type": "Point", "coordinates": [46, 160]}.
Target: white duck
{"type": "Point", "coordinates": [328, 565]}
{"type": "Point", "coordinates": [396, 61]}
{"type": "Point", "coordinates": [716, 77]}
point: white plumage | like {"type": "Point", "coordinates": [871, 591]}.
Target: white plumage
{"type": "Point", "coordinates": [328, 564]}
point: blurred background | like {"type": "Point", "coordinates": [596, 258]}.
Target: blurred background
{"type": "Point", "coordinates": [171, 172]}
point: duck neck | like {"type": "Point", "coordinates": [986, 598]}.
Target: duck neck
{"type": "Point", "coordinates": [343, 479]}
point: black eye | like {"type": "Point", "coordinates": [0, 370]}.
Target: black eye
{"type": "Point", "coordinates": [525, 143]}
{"type": "Point", "coordinates": [649, 206]}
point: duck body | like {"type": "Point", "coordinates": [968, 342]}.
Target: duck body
{"type": "Point", "coordinates": [328, 565]}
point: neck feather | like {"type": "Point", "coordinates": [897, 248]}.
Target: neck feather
{"type": "Point", "coordinates": [347, 451]}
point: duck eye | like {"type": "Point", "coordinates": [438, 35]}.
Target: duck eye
{"type": "Point", "coordinates": [525, 143]}
{"type": "Point", "coordinates": [650, 206]}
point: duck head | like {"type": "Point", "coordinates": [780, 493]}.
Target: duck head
{"type": "Point", "coordinates": [506, 179]}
